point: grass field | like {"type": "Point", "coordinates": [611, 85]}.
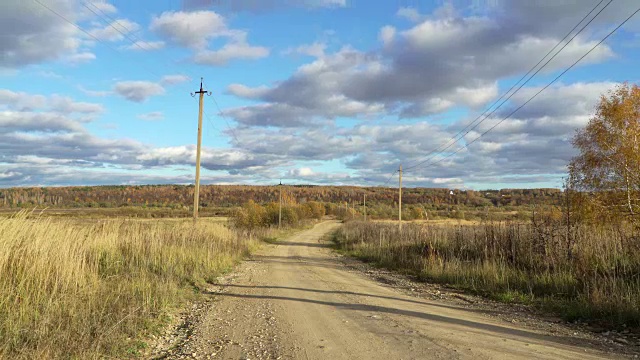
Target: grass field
{"type": "Point", "coordinates": [72, 288]}
{"type": "Point", "coordinates": [584, 272]}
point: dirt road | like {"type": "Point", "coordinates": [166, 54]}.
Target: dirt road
{"type": "Point", "coordinates": [297, 300]}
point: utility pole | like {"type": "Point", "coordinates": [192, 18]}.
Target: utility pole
{"type": "Point", "coordinates": [365, 207]}
{"type": "Point", "coordinates": [196, 193]}
{"type": "Point", "coordinates": [400, 199]}
{"type": "Point", "coordinates": [280, 208]}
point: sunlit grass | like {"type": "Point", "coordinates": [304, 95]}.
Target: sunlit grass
{"type": "Point", "coordinates": [591, 272]}
{"type": "Point", "coordinates": [76, 289]}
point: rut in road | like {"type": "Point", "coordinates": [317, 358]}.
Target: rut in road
{"type": "Point", "coordinates": [297, 300]}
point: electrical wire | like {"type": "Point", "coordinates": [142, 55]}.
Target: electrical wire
{"type": "Point", "coordinates": [486, 115]}
{"type": "Point", "coordinates": [539, 91]}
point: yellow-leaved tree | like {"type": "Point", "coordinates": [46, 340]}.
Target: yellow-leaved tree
{"type": "Point", "coordinates": [608, 165]}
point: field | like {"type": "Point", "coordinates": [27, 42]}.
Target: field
{"type": "Point", "coordinates": [77, 288]}
{"type": "Point", "coordinates": [84, 281]}
{"type": "Point", "coordinates": [585, 272]}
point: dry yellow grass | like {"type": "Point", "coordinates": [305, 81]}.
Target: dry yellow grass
{"type": "Point", "coordinates": [589, 272]}
{"type": "Point", "coordinates": [77, 290]}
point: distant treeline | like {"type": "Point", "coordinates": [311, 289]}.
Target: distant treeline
{"type": "Point", "coordinates": [178, 196]}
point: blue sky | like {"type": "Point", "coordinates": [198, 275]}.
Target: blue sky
{"type": "Point", "coordinates": [311, 91]}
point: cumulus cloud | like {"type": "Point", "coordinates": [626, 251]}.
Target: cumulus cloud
{"type": "Point", "coordinates": [386, 35]}
{"type": "Point", "coordinates": [138, 91]}
{"type": "Point", "coordinates": [190, 29]}
{"type": "Point", "coordinates": [80, 58]}
{"type": "Point", "coordinates": [316, 49]}
{"type": "Point", "coordinates": [32, 34]}
{"type": "Point", "coordinates": [265, 5]}
{"type": "Point", "coordinates": [51, 147]}
{"type": "Point", "coordinates": [22, 122]}
{"type": "Point", "coordinates": [67, 105]}
{"type": "Point", "coordinates": [247, 92]}
{"type": "Point", "coordinates": [21, 101]}
{"type": "Point", "coordinates": [115, 30]}
{"type": "Point", "coordinates": [534, 145]}
{"type": "Point", "coordinates": [230, 51]}
{"type": "Point", "coordinates": [301, 172]}
{"type": "Point", "coordinates": [179, 28]}
{"type": "Point", "coordinates": [442, 61]}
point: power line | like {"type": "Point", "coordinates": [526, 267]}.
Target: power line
{"type": "Point", "coordinates": [137, 43]}
{"type": "Point", "coordinates": [389, 179]}
{"type": "Point", "coordinates": [233, 133]}
{"type": "Point", "coordinates": [460, 134]}
{"type": "Point", "coordinates": [135, 40]}
{"type": "Point", "coordinates": [86, 32]}
{"type": "Point", "coordinates": [539, 91]}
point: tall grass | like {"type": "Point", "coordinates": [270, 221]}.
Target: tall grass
{"type": "Point", "coordinates": [587, 272]}
{"type": "Point", "coordinates": [74, 290]}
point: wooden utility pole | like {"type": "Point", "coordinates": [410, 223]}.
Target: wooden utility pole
{"type": "Point", "coordinates": [280, 208]}
{"type": "Point", "coordinates": [400, 198]}
{"type": "Point", "coordinates": [365, 207]}
{"type": "Point", "coordinates": [196, 193]}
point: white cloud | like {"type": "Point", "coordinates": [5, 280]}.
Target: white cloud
{"type": "Point", "coordinates": [179, 28]}
{"type": "Point", "coordinates": [67, 105]}
{"type": "Point", "coordinates": [21, 101]}
{"type": "Point", "coordinates": [190, 29]}
{"type": "Point", "coordinates": [152, 116]}
{"type": "Point", "coordinates": [146, 45]}
{"type": "Point", "coordinates": [50, 75]}
{"type": "Point", "coordinates": [410, 14]}
{"type": "Point", "coordinates": [247, 92]}
{"type": "Point", "coordinates": [115, 30]}
{"type": "Point", "coordinates": [316, 49]}
{"type": "Point", "coordinates": [81, 58]}
{"type": "Point", "coordinates": [94, 93]}
{"type": "Point", "coordinates": [22, 121]}
{"type": "Point", "coordinates": [174, 79]}
{"type": "Point", "coordinates": [229, 52]}
{"type": "Point", "coordinates": [138, 91]}
{"type": "Point", "coordinates": [301, 172]}
{"type": "Point", "coordinates": [104, 7]}
{"type": "Point", "coordinates": [32, 34]}
{"type": "Point", "coordinates": [387, 33]}
{"type": "Point", "coordinates": [265, 5]}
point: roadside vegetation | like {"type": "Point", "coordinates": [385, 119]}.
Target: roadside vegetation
{"type": "Point", "coordinates": [252, 216]}
{"type": "Point", "coordinates": [71, 289]}
{"type": "Point", "coordinates": [589, 273]}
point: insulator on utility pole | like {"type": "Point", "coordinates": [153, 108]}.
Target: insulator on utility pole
{"type": "Point", "coordinates": [196, 193]}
